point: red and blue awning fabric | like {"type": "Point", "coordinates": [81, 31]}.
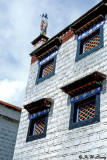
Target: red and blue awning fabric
{"type": "Point", "coordinates": [86, 95]}
{"type": "Point", "coordinates": [38, 114]}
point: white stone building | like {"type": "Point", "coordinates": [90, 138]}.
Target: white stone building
{"type": "Point", "coordinates": [65, 106]}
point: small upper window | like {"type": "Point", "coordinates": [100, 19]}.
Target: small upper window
{"type": "Point", "coordinates": [46, 55]}
{"type": "Point", "coordinates": [90, 41]}
{"type": "Point", "coordinates": [46, 67]}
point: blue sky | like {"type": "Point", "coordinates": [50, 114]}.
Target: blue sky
{"type": "Point", "coordinates": [19, 25]}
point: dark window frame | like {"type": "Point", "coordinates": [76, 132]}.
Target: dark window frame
{"type": "Point", "coordinates": [40, 79]}
{"type": "Point", "coordinates": [93, 120]}
{"type": "Point", "coordinates": [100, 45]}
{"type": "Point", "coordinates": [31, 137]}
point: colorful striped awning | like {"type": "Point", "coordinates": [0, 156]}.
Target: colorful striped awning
{"type": "Point", "coordinates": [38, 114]}
{"type": "Point", "coordinates": [89, 24]}
{"type": "Point", "coordinates": [48, 52]}
{"type": "Point", "coordinates": [48, 58]}
{"type": "Point", "coordinates": [91, 30]}
{"type": "Point", "coordinates": [38, 105]}
{"type": "Point", "coordinates": [86, 95]}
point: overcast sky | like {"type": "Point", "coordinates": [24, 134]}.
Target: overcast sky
{"type": "Point", "coordinates": [19, 25]}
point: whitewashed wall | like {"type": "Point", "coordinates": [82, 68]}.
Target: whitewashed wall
{"type": "Point", "coordinates": [60, 142]}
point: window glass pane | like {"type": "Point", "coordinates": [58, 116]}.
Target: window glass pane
{"type": "Point", "coordinates": [91, 43]}
{"type": "Point", "coordinates": [47, 69]}
{"type": "Point", "coordinates": [39, 127]}
{"type": "Point", "coordinates": [85, 110]}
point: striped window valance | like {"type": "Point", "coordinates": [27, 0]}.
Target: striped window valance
{"type": "Point", "coordinates": [86, 95]}
{"type": "Point", "coordinates": [37, 114]}
{"type": "Point", "coordinates": [48, 52]}
{"type": "Point", "coordinates": [48, 58]}
{"type": "Point", "coordinates": [90, 31]}
{"type": "Point", "coordinates": [90, 24]}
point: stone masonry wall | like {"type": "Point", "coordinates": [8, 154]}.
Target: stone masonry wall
{"type": "Point", "coordinates": [9, 122]}
{"type": "Point", "coordinates": [60, 142]}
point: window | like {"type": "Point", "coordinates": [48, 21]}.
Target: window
{"type": "Point", "coordinates": [37, 128]}
{"type": "Point", "coordinates": [85, 99]}
{"type": "Point", "coordinates": [46, 70]}
{"type": "Point", "coordinates": [84, 110]}
{"type": "Point", "coordinates": [38, 118]}
{"type": "Point", "coordinates": [87, 110]}
{"type": "Point", "coordinates": [89, 43]}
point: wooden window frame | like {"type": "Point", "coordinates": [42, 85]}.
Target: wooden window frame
{"type": "Point", "coordinates": [79, 56]}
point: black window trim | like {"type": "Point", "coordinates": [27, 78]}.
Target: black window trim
{"type": "Point", "coordinates": [93, 120]}
{"type": "Point", "coordinates": [41, 135]}
{"type": "Point", "coordinates": [80, 56]}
